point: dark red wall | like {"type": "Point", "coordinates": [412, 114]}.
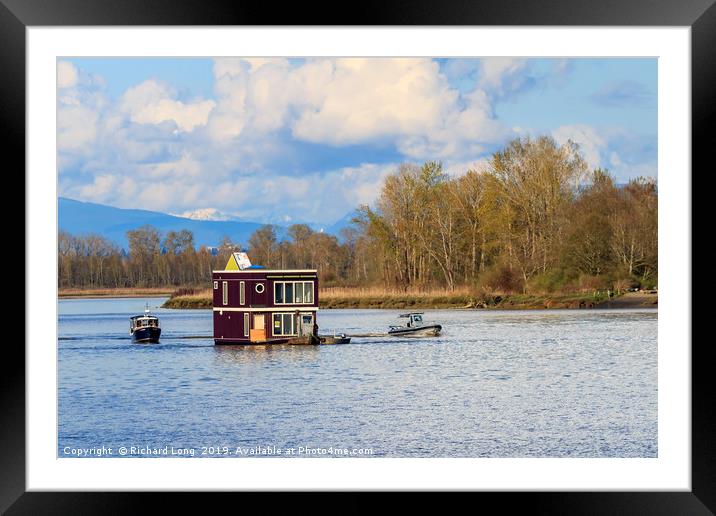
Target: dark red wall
{"type": "Point", "coordinates": [253, 298]}
{"type": "Point", "coordinates": [228, 324]}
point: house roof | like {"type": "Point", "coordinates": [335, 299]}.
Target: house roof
{"type": "Point", "coordinates": [239, 261]}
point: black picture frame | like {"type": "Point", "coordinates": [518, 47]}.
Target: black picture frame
{"type": "Point", "coordinates": [700, 15]}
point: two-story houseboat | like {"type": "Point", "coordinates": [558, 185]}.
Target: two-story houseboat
{"type": "Point", "coordinates": [254, 305]}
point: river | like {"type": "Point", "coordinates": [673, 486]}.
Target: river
{"type": "Point", "coordinates": [561, 383]}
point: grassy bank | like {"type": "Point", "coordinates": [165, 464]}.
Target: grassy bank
{"type": "Point", "coordinates": [114, 292]}
{"type": "Point", "coordinates": [379, 298]}
{"type": "Point", "coordinates": [189, 298]}
{"type": "Point", "coordinates": [340, 297]}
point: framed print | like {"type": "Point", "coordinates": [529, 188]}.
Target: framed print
{"type": "Point", "coordinates": [471, 206]}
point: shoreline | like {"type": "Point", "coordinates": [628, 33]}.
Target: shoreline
{"type": "Point", "coordinates": [502, 302]}
{"type": "Point", "coordinates": [112, 293]}
{"type": "Point", "coordinates": [583, 301]}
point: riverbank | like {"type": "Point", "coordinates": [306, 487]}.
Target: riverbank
{"type": "Point", "coordinates": [371, 298]}
{"type": "Point", "coordinates": [113, 292]}
{"type": "Point", "coordinates": [632, 300]}
{"type": "Point", "coordinates": [496, 301]}
{"type": "Point", "coordinates": [196, 299]}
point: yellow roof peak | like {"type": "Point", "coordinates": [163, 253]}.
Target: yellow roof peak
{"type": "Point", "coordinates": [238, 261]}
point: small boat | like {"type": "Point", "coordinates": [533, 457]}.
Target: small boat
{"type": "Point", "coordinates": [336, 338]}
{"type": "Point", "coordinates": [145, 328]}
{"type": "Point", "coordinates": [415, 327]}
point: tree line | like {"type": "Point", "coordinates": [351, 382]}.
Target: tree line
{"type": "Point", "coordinates": [534, 218]}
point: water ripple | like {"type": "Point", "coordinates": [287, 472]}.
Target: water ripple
{"type": "Point", "coordinates": [496, 384]}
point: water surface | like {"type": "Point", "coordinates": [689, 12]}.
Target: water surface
{"type": "Point", "coordinates": [563, 383]}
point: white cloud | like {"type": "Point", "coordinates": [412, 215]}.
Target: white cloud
{"type": "Point", "coordinates": [321, 197]}
{"type": "Point", "coordinates": [263, 147]}
{"type": "Point", "coordinates": [76, 127]}
{"type": "Point", "coordinates": [260, 103]}
{"type": "Point", "coordinates": [100, 188]}
{"type": "Point", "coordinates": [80, 102]}
{"type": "Point", "coordinates": [363, 183]}
{"type": "Point", "coordinates": [153, 103]}
{"type": "Point", "coordinates": [590, 142]}
{"type": "Point", "coordinates": [250, 92]}
{"type": "Point", "coordinates": [495, 70]}
{"type": "Point", "coordinates": [363, 100]}
{"type": "Point", "coordinates": [128, 189]}
{"type": "Point", "coordinates": [183, 168]}
{"type": "Point", "coordinates": [459, 168]}
{"type": "Point", "coordinates": [67, 74]}
{"type": "Point", "coordinates": [407, 102]}
{"type": "Point", "coordinates": [503, 75]}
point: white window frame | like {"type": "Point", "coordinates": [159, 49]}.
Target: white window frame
{"type": "Point", "coordinates": [247, 324]}
{"type": "Point", "coordinates": [263, 288]}
{"type": "Point", "coordinates": [313, 299]}
{"type": "Point", "coordinates": [277, 284]}
{"type": "Point", "coordinates": [293, 323]}
{"type": "Point", "coordinates": [225, 292]}
{"type": "Point", "coordinates": [242, 292]}
{"type": "Point", "coordinates": [293, 289]}
{"type": "Point", "coordinates": [216, 285]}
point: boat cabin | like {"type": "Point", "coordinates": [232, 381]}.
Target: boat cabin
{"type": "Point", "coordinates": [254, 305]}
{"type": "Point", "coordinates": [143, 321]}
{"type": "Point", "coordinates": [414, 319]}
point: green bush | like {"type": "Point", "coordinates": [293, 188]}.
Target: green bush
{"type": "Point", "coordinates": [587, 282]}
{"type": "Point", "coordinates": [552, 281]}
{"type": "Point", "coordinates": [649, 283]}
{"type": "Point", "coordinates": [500, 278]}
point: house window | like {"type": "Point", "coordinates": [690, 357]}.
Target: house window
{"type": "Point", "coordinates": [242, 293]}
{"type": "Point", "coordinates": [246, 324]}
{"type": "Point", "coordinates": [293, 292]}
{"type": "Point", "coordinates": [225, 292]}
{"type": "Point", "coordinates": [216, 285]}
{"type": "Point", "coordinates": [259, 288]}
{"type": "Point", "coordinates": [283, 324]}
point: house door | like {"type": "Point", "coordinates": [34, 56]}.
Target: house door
{"type": "Point", "coordinates": [306, 324]}
{"type": "Point", "coordinates": [258, 332]}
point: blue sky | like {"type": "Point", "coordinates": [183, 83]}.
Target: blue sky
{"type": "Point", "coordinates": [285, 140]}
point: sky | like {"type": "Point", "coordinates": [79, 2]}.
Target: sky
{"type": "Point", "coordinates": [279, 140]}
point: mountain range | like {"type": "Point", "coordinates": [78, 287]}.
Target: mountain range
{"type": "Point", "coordinates": [78, 218]}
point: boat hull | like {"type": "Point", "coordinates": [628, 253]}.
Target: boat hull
{"type": "Point", "coordinates": [331, 339]}
{"type": "Point", "coordinates": [146, 335]}
{"type": "Point", "coordinates": [420, 331]}
{"type": "Point", "coordinates": [308, 340]}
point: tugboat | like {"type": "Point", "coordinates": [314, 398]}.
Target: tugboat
{"type": "Point", "coordinates": [415, 327]}
{"type": "Point", "coordinates": [145, 328]}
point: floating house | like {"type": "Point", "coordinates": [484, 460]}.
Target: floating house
{"type": "Point", "coordinates": [254, 305]}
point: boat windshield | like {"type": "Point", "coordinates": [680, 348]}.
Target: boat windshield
{"type": "Point", "coordinates": [417, 319]}
{"type": "Point", "coordinates": [146, 322]}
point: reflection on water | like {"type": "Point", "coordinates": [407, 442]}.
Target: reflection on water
{"type": "Point", "coordinates": [242, 354]}
{"type": "Point", "coordinates": [494, 384]}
